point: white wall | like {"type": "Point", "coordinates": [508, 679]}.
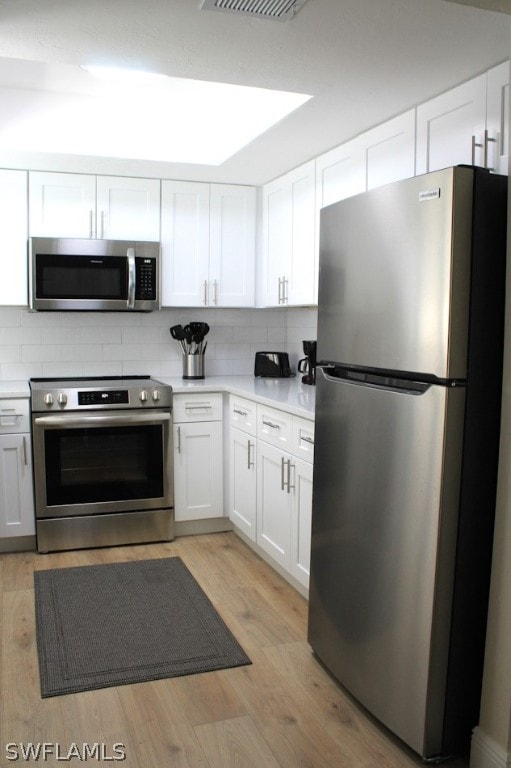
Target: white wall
{"type": "Point", "coordinates": [102, 344]}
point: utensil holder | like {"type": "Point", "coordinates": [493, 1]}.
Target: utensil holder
{"type": "Point", "coordinates": [193, 366]}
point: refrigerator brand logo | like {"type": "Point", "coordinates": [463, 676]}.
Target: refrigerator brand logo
{"type": "Point", "coordinates": [429, 194]}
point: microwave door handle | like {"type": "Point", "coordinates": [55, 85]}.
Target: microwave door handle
{"type": "Point", "coordinates": [132, 276]}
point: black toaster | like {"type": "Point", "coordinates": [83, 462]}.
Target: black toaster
{"type": "Point", "coordinates": [272, 365]}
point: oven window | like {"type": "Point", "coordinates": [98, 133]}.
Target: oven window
{"type": "Point", "coordinates": [88, 465]}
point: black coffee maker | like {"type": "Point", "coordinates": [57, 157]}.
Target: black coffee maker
{"type": "Point", "coordinates": [307, 366]}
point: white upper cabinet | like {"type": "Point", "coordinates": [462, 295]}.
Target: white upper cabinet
{"type": "Point", "coordinates": [232, 214]}
{"type": "Point", "coordinates": [379, 156]}
{"type": "Point", "coordinates": [497, 120]}
{"type": "Point", "coordinates": [61, 204]}
{"type": "Point", "coordinates": [208, 244]}
{"type": "Point", "coordinates": [13, 255]}
{"type": "Point", "coordinates": [289, 239]}
{"type": "Point", "coordinates": [340, 173]}
{"type": "Point", "coordinates": [390, 150]}
{"type": "Point", "coordinates": [450, 127]}
{"type": "Point", "coordinates": [79, 205]}
{"type": "Point", "coordinates": [127, 209]}
{"type": "Point", "coordinates": [184, 243]}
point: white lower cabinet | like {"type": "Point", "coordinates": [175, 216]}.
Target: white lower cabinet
{"type": "Point", "coordinates": [274, 499]}
{"type": "Point", "coordinates": [198, 457]}
{"type": "Point", "coordinates": [242, 490]}
{"type": "Point", "coordinates": [16, 495]}
{"type": "Point", "coordinates": [270, 499]}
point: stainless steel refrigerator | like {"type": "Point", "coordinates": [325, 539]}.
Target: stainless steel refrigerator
{"type": "Point", "coordinates": [410, 338]}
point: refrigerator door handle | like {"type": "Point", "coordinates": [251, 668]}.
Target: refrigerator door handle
{"type": "Point", "coordinates": [378, 380]}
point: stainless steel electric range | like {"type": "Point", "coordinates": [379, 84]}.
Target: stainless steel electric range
{"type": "Point", "coordinates": [103, 467]}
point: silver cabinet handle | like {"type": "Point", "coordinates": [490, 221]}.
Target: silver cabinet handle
{"type": "Point", "coordinates": [282, 474]}
{"type": "Point", "coordinates": [284, 290]}
{"type": "Point", "coordinates": [241, 413]}
{"type": "Point", "coordinates": [102, 224]}
{"type": "Point", "coordinates": [179, 439]}
{"type": "Point", "coordinates": [200, 407]}
{"type": "Point", "coordinates": [289, 486]}
{"type": "Point", "coordinates": [474, 145]}
{"type": "Point", "coordinates": [25, 459]}
{"type": "Point", "coordinates": [270, 424]}
{"type": "Point", "coordinates": [132, 276]}
{"type": "Point", "coordinates": [281, 290]}
{"type": "Point", "coordinates": [205, 293]}
{"type": "Point", "coordinates": [307, 440]}
{"type": "Point", "coordinates": [487, 140]}
{"type": "Point", "coordinates": [215, 292]}
{"type": "Point", "coordinates": [250, 461]}
{"type": "Point", "coordinates": [91, 229]}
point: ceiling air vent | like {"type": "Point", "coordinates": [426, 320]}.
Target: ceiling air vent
{"type": "Point", "coordinates": [277, 10]}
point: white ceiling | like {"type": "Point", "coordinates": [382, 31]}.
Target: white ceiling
{"type": "Point", "coordinates": [363, 61]}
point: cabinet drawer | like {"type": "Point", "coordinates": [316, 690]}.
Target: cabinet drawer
{"type": "Point", "coordinates": [303, 438]}
{"type": "Point", "coordinates": [198, 407]}
{"type": "Point", "coordinates": [275, 427]}
{"type": "Point", "coordinates": [243, 414]}
{"type": "Point", "coordinates": [14, 416]}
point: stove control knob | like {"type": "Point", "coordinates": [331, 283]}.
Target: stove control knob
{"type": "Point", "coordinates": [143, 396]}
{"type": "Point", "coordinates": [156, 394]}
{"type": "Point", "coordinates": [48, 398]}
{"type": "Point", "coordinates": [62, 398]}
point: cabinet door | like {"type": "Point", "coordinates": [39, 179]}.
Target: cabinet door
{"type": "Point", "coordinates": [198, 470]}
{"type": "Point", "coordinates": [390, 150]}
{"type": "Point", "coordinates": [242, 491]}
{"type": "Point", "coordinates": [450, 127]}
{"type": "Point", "coordinates": [232, 246]}
{"type": "Point", "coordinates": [273, 503]}
{"type": "Point", "coordinates": [16, 499]}
{"type": "Point", "coordinates": [301, 488]}
{"type": "Point", "coordinates": [340, 173]}
{"type": "Point", "coordinates": [497, 119]}
{"type": "Point", "coordinates": [277, 240]}
{"type": "Point", "coordinates": [301, 278]}
{"type": "Point", "coordinates": [13, 255]}
{"type": "Point", "coordinates": [128, 209]}
{"type": "Point", "coordinates": [185, 243]}
{"type": "Point", "coordinates": [62, 204]}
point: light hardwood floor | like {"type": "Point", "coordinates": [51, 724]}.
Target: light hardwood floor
{"type": "Point", "coordinates": [283, 711]}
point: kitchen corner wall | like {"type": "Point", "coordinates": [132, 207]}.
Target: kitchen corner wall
{"type": "Point", "coordinates": [103, 344]}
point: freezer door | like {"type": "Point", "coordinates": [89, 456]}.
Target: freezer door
{"type": "Point", "coordinates": [385, 505]}
{"type": "Point", "coordinates": [394, 276]}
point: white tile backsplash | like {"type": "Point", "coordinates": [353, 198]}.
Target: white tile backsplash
{"type": "Point", "coordinates": [114, 344]}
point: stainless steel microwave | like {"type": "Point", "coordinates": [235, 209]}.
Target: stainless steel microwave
{"type": "Point", "coordinates": [98, 275]}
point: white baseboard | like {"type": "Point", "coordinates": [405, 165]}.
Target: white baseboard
{"type": "Point", "coordinates": [486, 753]}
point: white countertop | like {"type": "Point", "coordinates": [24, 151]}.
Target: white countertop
{"type": "Point", "coordinates": [10, 389]}
{"type": "Point", "coordinates": [289, 394]}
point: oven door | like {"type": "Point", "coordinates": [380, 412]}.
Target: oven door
{"type": "Point", "coordinates": [100, 462]}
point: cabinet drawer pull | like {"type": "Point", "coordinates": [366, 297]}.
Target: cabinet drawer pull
{"type": "Point", "coordinates": [91, 230]}
{"type": "Point", "coordinates": [241, 413]}
{"type": "Point", "coordinates": [282, 474]}
{"type": "Point", "coordinates": [205, 293]}
{"type": "Point", "coordinates": [200, 407]}
{"type": "Point", "coordinates": [250, 462]}
{"type": "Point", "coordinates": [309, 440]}
{"type": "Point", "coordinates": [271, 424]}
{"type": "Point", "coordinates": [25, 459]}
{"type": "Point", "coordinates": [179, 439]}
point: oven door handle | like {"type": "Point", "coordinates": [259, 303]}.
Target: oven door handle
{"type": "Point", "coordinates": [66, 420]}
